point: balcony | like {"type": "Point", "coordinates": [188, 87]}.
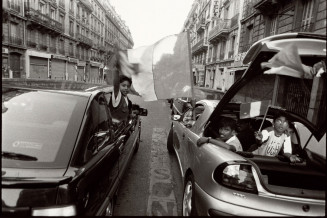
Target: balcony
{"type": "Point", "coordinates": [220, 31]}
{"type": "Point", "coordinates": [84, 40]}
{"type": "Point", "coordinates": [201, 45]}
{"type": "Point", "coordinates": [200, 26]}
{"type": "Point", "coordinates": [53, 3]}
{"type": "Point", "coordinates": [266, 7]}
{"type": "Point", "coordinates": [39, 20]}
{"type": "Point", "coordinates": [87, 5]}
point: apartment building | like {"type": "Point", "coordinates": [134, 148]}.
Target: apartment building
{"type": "Point", "coordinates": [61, 39]}
{"type": "Point", "coordinates": [222, 31]}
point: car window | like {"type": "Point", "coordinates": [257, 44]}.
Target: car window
{"type": "Point", "coordinates": [97, 131]}
{"type": "Point", "coordinates": [36, 123]}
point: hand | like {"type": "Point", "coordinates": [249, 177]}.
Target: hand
{"type": "Point", "coordinates": [258, 135]}
{"type": "Point", "coordinates": [295, 159]}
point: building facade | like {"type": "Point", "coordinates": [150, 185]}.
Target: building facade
{"type": "Point", "coordinates": [222, 31]}
{"type": "Point", "coordinates": [60, 39]}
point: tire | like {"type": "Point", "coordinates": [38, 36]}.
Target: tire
{"type": "Point", "coordinates": [170, 142]}
{"type": "Point", "coordinates": [188, 204]}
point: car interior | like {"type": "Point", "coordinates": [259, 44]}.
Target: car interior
{"type": "Point", "coordinates": [277, 172]}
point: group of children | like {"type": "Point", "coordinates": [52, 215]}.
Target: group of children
{"type": "Point", "coordinates": [269, 142]}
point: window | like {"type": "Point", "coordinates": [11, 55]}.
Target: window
{"type": "Point", "coordinates": [71, 5]}
{"type": "Point", "coordinates": [307, 14]}
{"type": "Point", "coordinates": [71, 27]}
{"type": "Point", "coordinates": [53, 14]}
{"type": "Point", "coordinates": [42, 7]}
{"type": "Point", "coordinates": [273, 26]}
{"type": "Point", "coordinates": [97, 129]}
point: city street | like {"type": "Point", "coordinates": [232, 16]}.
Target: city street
{"type": "Point", "coordinates": [152, 185]}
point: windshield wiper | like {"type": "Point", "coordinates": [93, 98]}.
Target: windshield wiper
{"type": "Point", "coordinates": [16, 156]}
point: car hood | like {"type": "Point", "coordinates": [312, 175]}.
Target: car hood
{"type": "Point", "coordinates": [308, 45]}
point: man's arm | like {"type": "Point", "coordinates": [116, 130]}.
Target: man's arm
{"type": "Point", "coordinates": [220, 143]}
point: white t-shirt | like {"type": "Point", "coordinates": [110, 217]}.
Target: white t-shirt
{"type": "Point", "coordinates": [235, 142]}
{"type": "Point", "coordinates": [274, 143]}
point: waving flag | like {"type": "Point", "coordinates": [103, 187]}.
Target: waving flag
{"type": "Point", "coordinates": [253, 109]}
{"type": "Point", "coordinates": [288, 62]}
{"type": "Point", "coordinates": [164, 68]}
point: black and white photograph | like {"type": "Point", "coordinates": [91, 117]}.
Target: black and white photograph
{"type": "Point", "coordinates": [163, 108]}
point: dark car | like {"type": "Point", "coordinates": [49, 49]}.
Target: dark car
{"type": "Point", "coordinates": [62, 155]}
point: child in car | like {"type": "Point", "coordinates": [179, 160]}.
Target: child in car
{"type": "Point", "coordinates": [272, 139]}
{"type": "Point", "coordinates": [226, 137]}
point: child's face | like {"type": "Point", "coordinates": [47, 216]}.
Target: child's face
{"type": "Point", "coordinates": [281, 124]}
{"type": "Point", "coordinates": [124, 88]}
{"type": "Point", "coordinates": [225, 133]}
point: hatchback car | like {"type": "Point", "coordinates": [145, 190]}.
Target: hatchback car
{"type": "Point", "coordinates": [62, 155]}
{"type": "Point", "coordinates": [221, 181]}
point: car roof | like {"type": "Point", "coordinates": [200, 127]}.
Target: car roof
{"type": "Point", "coordinates": [60, 86]}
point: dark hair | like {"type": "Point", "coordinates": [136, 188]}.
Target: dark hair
{"type": "Point", "coordinates": [281, 114]}
{"type": "Point", "coordinates": [227, 122]}
{"type": "Point", "coordinates": [123, 78]}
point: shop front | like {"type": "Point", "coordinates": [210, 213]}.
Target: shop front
{"type": "Point", "coordinates": [95, 72]}
{"type": "Point", "coordinates": [58, 67]}
{"type": "Point", "coordinates": [199, 74]}
{"type": "Point", "coordinates": [81, 70]}
{"type": "Point", "coordinates": [71, 69]}
{"type": "Point", "coordinates": [37, 65]}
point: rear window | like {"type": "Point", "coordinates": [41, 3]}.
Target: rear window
{"type": "Point", "coordinates": [40, 124]}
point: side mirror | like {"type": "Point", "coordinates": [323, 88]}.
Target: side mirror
{"type": "Point", "coordinates": [143, 112]}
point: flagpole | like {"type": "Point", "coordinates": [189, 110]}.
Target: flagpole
{"type": "Point", "coordinates": [264, 118]}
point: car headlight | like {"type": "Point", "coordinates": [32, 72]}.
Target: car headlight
{"type": "Point", "coordinates": [237, 176]}
{"type": "Point", "coordinates": [67, 210]}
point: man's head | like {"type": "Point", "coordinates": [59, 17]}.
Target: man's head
{"type": "Point", "coordinates": [281, 123]}
{"type": "Point", "coordinates": [227, 128]}
{"type": "Point", "coordinates": [124, 84]}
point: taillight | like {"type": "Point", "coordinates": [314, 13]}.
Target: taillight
{"type": "Point", "coordinates": [237, 176]}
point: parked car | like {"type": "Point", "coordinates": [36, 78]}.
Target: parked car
{"type": "Point", "coordinates": [220, 181]}
{"type": "Point", "coordinates": [62, 155]}
{"type": "Point", "coordinates": [180, 105]}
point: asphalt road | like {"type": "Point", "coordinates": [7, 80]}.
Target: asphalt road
{"type": "Point", "coordinates": [152, 186]}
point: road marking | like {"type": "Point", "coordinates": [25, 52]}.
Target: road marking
{"type": "Point", "coordinates": [162, 200]}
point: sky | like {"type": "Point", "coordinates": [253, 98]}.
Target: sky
{"type": "Point", "coordinates": [151, 20]}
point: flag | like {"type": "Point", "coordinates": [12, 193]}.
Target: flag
{"type": "Point", "coordinates": [288, 62]}
{"type": "Point", "coordinates": [253, 109]}
{"type": "Point", "coordinates": [164, 68]}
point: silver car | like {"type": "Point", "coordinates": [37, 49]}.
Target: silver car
{"type": "Point", "coordinates": [221, 181]}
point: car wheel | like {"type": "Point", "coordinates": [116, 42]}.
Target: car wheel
{"type": "Point", "coordinates": [188, 197]}
{"type": "Point", "coordinates": [138, 142]}
{"type": "Point", "coordinates": [170, 143]}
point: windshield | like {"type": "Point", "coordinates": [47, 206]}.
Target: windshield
{"type": "Point", "coordinates": [35, 125]}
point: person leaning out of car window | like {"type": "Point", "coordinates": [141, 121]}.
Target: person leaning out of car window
{"type": "Point", "coordinates": [226, 137]}
{"type": "Point", "coordinates": [119, 104]}
{"type": "Point", "coordinates": [271, 140]}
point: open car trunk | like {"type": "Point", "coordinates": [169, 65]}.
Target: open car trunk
{"type": "Point", "coordinates": [279, 176]}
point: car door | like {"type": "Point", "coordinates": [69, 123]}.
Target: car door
{"type": "Point", "coordinates": [98, 158]}
{"type": "Point", "coordinates": [126, 148]}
